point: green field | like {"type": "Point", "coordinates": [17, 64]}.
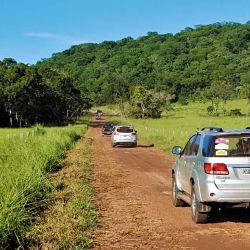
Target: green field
{"type": "Point", "coordinates": [24, 183]}
{"type": "Point", "coordinates": [175, 127]}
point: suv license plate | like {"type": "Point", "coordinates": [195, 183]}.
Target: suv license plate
{"type": "Point", "coordinates": [246, 171]}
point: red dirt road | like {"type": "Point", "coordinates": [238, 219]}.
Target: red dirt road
{"type": "Point", "coordinates": [133, 197]}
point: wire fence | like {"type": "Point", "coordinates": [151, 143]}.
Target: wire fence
{"type": "Point", "coordinates": [165, 132]}
{"type": "Point", "coordinates": [168, 132]}
{"type": "Point", "coordinates": [20, 136]}
{"type": "Point", "coordinates": [28, 134]}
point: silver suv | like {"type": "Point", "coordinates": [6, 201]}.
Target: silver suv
{"type": "Point", "coordinates": [212, 172]}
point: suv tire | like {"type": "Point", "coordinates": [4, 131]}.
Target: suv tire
{"type": "Point", "coordinates": [175, 200]}
{"type": "Point", "coordinates": [197, 217]}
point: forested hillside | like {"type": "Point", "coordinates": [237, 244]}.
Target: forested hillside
{"type": "Point", "coordinates": [183, 65]}
{"type": "Point", "coordinates": [210, 61]}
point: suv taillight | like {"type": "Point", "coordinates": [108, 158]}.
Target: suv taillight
{"type": "Point", "coordinates": [116, 133]}
{"type": "Point", "coordinates": [216, 168]}
{"type": "Point", "coordinates": [133, 133]}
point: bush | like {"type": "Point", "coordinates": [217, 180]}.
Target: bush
{"type": "Point", "coordinates": [135, 112]}
{"type": "Point", "coordinates": [235, 112]}
{"type": "Point", "coordinates": [183, 101]}
{"type": "Point", "coordinates": [210, 110]}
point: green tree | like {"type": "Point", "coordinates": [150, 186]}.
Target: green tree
{"type": "Point", "coordinates": [220, 91]}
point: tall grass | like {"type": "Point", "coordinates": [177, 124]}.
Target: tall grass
{"type": "Point", "coordinates": [177, 125]}
{"type": "Point", "coordinates": [24, 184]}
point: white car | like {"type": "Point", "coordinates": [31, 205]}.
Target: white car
{"type": "Point", "coordinates": [124, 135]}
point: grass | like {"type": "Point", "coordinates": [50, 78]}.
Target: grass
{"type": "Point", "coordinates": [24, 182]}
{"type": "Point", "coordinates": [79, 234]}
{"type": "Point", "coordinates": [177, 125]}
{"type": "Point", "coordinates": [71, 219]}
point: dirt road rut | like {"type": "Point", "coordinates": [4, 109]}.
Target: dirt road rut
{"type": "Point", "coordinates": [133, 197]}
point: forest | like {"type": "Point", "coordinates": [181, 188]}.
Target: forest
{"type": "Point", "coordinates": [31, 94]}
{"type": "Point", "coordinates": [205, 62]}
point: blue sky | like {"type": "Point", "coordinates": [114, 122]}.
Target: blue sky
{"type": "Point", "coordinates": [34, 29]}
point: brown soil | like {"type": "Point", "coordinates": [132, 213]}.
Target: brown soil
{"type": "Point", "coordinates": [133, 197]}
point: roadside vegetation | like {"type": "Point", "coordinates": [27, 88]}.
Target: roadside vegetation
{"type": "Point", "coordinates": [175, 126]}
{"type": "Point", "coordinates": [24, 183]}
{"type": "Point", "coordinates": [69, 221]}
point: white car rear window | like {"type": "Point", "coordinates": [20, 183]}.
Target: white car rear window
{"type": "Point", "coordinates": [125, 130]}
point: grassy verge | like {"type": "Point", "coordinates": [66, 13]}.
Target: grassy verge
{"type": "Point", "coordinates": [83, 208]}
{"type": "Point", "coordinates": [71, 219]}
{"type": "Point", "coordinates": [177, 125]}
{"type": "Point", "coordinates": [24, 182]}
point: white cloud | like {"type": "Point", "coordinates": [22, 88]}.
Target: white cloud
{"type": "Point", "coordinates": [56, 37]}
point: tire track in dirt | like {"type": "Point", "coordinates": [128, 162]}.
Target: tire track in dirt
{"type": "Point", "coordinates": [133, 197]}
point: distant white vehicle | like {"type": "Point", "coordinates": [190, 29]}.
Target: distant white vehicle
{"type": "Point", "coordinates": [124, 135]}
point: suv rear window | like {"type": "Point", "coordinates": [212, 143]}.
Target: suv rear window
{"type": "Point", "coordinates": [229, 146]}
{"type": "Point", "coordinates": [125, 129]}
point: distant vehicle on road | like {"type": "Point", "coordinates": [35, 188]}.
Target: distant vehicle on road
{"type": "Point", "coordinates": [124, 135]}
{"type": "Point", "coordinates": [98, 111]}
{"type": "Point", "coordinates": [98, 114]}
{"type": "Point", "coordinates": [98, 117]}
{"type": "Point", "coordinates": [212, 172]}
{"type": "Point", "coordinates": [107, 129]}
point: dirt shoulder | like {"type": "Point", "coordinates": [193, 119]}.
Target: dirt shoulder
{"type": "Point", "coordinates": [133, 197]}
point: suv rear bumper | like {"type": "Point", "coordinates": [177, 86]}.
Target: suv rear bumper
{"type": "Point", "coordinates": [210, 193]}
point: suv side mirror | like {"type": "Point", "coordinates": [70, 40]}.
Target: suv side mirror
{"type": "Point", "coordinates": [176, 150]}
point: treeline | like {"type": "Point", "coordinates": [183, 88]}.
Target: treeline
{"type": "Point", "coordinates": [184, 65]}
{"type": "Point", "coordinates": [148, 72]}
{"type": "Point", "coordinates": [32, 94]}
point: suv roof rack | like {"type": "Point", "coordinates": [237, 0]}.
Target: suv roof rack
{"type": "Point", "coordinates": [211, 128]}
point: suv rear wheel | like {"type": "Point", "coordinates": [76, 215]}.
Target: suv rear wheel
{"type": "Point", "coordinates": [198, 218]}
{"type": "Point", "coordinates": [175, 200]}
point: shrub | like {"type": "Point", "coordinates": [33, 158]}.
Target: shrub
{"type": "Point", "coordinates": [235, 112]}
{"type": "Point", "coordinates": [210, 110]}
{"type": "Point", "coordinates": [183, 101]}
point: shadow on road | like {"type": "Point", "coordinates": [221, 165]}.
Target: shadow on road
{"type": "Point", "coordinates": [145, 145]}
{"type": "Point", "coordinates": [238, 215]}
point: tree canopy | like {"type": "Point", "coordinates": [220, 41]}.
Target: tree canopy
{"type": "Point", "coordinates": [182, 64]}
{"type": "Point", "coordinates": [31, 94]}
{"type": "Point", "coordinates": [208, 61]}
